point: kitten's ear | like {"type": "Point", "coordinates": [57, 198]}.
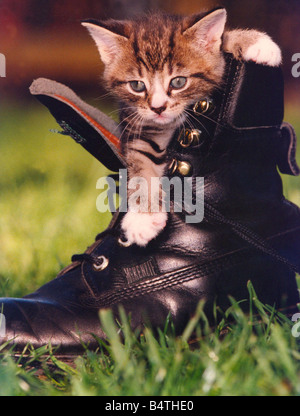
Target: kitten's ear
{"type": "Point", "coordinates": [207, 31]}
{"type": "Point", "coordinates": [108, 40]}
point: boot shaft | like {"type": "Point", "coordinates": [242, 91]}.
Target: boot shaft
{"type": "Point", "coordinates": [239, 141]}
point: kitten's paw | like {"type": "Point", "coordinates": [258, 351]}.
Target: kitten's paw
{"type": "Point", "coordinates": [264, 51]}
{"type": "Point", "coordinates": [142, 227]}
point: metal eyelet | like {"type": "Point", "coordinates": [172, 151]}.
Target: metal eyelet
{"type": "Point", "coordinates": [184, 168]}
{"type": "Point", "coordinates": [173, 166]}
{"type": "Point", "coordinates": [203, 106]}
{"type": "Point", "coordinates": [102, 263]}
{"type": "Point", "coordinates": [178, 166]}
{"type": "Point", "coordinates": [123, 243]}
{"type": "Point", "coordinates": [189, 137]}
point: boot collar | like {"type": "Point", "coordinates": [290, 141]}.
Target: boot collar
{"type": "Point", "coordinates": [248, 106]}
{"type": "Point", "coordinates": [249, 98]}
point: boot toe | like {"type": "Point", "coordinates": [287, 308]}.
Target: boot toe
{"type": "Point", "coordinates": [39, 323]}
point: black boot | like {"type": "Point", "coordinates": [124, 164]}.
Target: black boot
{"type": "Point", "coordinates": [249, 231]}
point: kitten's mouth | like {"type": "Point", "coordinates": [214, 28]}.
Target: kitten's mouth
{"type": "Point", "coordinates": [163, 119]}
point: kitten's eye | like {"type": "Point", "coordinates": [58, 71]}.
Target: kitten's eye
{"type": "Point", "coordinates": [137, 86]}
{"type": "Point", "coordinates": [178, 82]}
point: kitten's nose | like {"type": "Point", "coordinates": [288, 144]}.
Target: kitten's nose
{"type": "Point", "coordinates": [159, 110]}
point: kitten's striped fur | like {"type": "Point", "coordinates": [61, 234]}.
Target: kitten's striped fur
{"type": "Point", "coordinates": [159, 52]}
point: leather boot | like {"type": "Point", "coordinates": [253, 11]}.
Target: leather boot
{"type": "Point", "coordinates": [249, 231]}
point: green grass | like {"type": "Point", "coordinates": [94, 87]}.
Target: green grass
{"type": "Point", "coordinates": [47, 199]}
{"type": "Point", "coordinates": [47, 213]}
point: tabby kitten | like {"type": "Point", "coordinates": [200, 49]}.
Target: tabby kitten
{"type": "Point", "coordinates": [157, 66]}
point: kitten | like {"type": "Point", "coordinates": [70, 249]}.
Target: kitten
{"type": "Point", "coordinates": [158, 66]}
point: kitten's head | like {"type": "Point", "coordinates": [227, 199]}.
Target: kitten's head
{"type": "Point", "coordinates": [159, 65]}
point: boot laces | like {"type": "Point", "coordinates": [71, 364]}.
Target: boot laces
{"type": "Point", "coordinates": [100, 262]}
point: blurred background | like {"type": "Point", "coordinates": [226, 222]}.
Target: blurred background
{"type": "Point", "coordinates": [48, 182]}
{"type": "Point", "coordinates": [45, 38]}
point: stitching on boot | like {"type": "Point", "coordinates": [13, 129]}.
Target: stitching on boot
{"type": "Point", "coordinates": [232, 87]}
{"type": "Point", "coordinates": [71, 132]}
{"type": "Point", "coordinates": [171, 279]}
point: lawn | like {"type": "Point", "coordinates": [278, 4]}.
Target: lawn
{"type": "Point", "coordinates": [47, 213]}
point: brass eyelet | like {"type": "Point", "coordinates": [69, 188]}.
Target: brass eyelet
{"type": "Point", "coordinates": [184, 168]}
{"type": "Point", "coordinates": [102, 263]}
{"type": "Point", "coordinates": [203, 106]}
{"type": "Point", "coordinates": [178, 166]}
{"type": "Point", "coordinates": [173, 166]}
{"type": "Point", "coordinates": [124, 243]}
{"type": "Point", "coordinates": [189, 137]}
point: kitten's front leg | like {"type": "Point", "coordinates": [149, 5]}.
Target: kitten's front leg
{"type": "Point", "coordinates": [141, 227]}
{"type": "Point", "coordinates": [252, 45]}
{"type": "Point", "coordinates": [145, 218]}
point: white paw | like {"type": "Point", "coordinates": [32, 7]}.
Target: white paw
{"type": "Point", "coordinates": [142, 227]}
{"type": "Point", "coordinates": [264, 52]}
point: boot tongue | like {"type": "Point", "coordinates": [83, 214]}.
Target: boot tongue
{"type": "Point", "coordinates": [88, 126]}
